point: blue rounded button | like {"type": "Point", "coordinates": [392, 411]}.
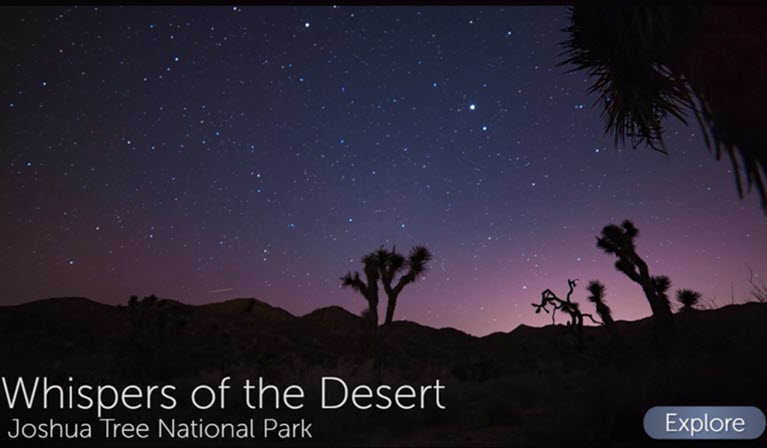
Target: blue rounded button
{"type": "Point", "coordinates": [704, 422]}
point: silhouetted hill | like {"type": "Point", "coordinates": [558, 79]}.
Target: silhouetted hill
{"type": "Point", "coordinates": [258, 310]}
{"type": "Point", "coordinates": [332, 315]}
{"type": "Point", "coordinates": [502, 388]}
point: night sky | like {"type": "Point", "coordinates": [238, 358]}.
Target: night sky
{"type": "Point", "coordinates": [204, 154]}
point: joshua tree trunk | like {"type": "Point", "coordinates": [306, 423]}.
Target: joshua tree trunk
{"type": "Point", "coordinates": [619, 241]}
{"type": "Point", "coordinates": [658, 304]}
{"type": "Point", "coordinates": [392, 294]}
{"type": "Point", "coordinates": [578, 324]}
{"type": "Point", "coordinates": [660, 308]}
{"type": "Point", "coordinates": [373, 316]}
{"type": "Point", "coordinates": [390, 306]}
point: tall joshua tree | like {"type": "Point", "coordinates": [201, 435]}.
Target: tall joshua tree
{"type": "Point", "coordinates": [597, 296]}
{"type": "Point", "coordinates": [369, 289]}
{"type": "Point", "coordinates": [386, 265]}
{"type": "Point", "coordinates": [409, 269]}
{"type": "Point", "coordinates": [619, 241]}
{"type": "Point", "coordinates": [688, 298]}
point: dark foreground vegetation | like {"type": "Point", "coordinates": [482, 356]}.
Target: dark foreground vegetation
{"type": "Point", "coordinates": [528, 387]}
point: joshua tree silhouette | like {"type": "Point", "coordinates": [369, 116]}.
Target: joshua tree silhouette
{"type": "Point", "coordinates": [619, 241]}
{"type": "Point", "coordinates": [548, 298]}
{"type": "Point", "coordinates": [688, 298]}
{"type": "Point", "coordinates": [386, 265]}
{"type": "Point", "coordinates": [597, 296]}
{"type": "Point", "coordinates": [410, 270]}
{"type": "Point", "coordinates": [649, 62]}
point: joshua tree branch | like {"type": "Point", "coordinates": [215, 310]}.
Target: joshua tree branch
{"type": "Point", "coordinates": [571, 284]}
{"type": "Point", "coordinates": [404, 281]}
{"type": "Point", "coordinates": [592, 319]}
{"type": "Point", "coordinates": [386, 282]}
{"type": "Point", "coordinates": [549, 298]}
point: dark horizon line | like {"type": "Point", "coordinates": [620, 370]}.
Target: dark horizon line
{"type": "Point", "coordinates": [296, 316]}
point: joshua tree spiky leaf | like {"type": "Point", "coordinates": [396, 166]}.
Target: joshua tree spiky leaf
{"type": "Point", "coordinates": [596, 291]}
{"type": "Point", "coordinates": [635, 93]}
{"type": "Point", "coordinates": [651, 62]}
{"type": "Point", "coordinates": [662, 283]}
{"type": "Point", "coordinates": [688, 298]}
{"type": "Point", "coordinates": [417, 260]}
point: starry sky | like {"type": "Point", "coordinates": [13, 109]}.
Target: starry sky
{"type": "Point", "coordinates": [208, 153]}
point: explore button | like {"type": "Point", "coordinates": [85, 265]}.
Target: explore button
{"type": "Point", "coordinates": [704, 422]}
